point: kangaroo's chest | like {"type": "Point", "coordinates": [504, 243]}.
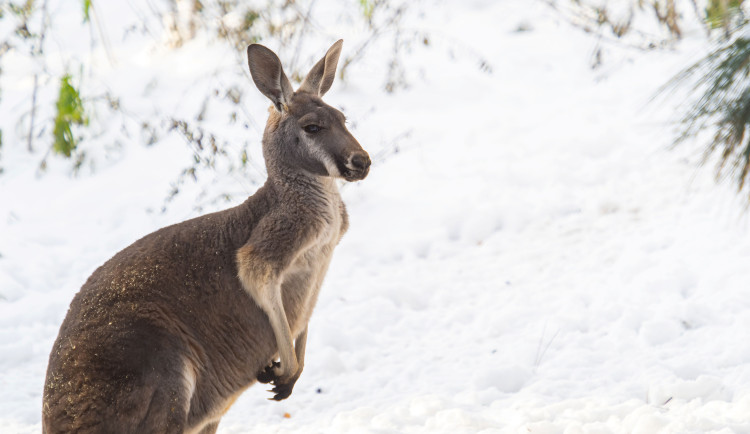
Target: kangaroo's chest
{"type": "Point", "coordinates": [302, 281]}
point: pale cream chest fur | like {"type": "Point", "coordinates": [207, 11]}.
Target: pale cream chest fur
{"type": "Point", "coordinates": [302, 282]}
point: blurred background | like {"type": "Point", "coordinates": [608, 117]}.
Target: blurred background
{"type": "Point", "coordinates": [553, 237]}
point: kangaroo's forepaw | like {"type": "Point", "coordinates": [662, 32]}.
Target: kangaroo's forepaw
{"type": "Point", "coordinates": [268, 374]}
{"type": "Point", "coordinates": [282, 391]}
{"type": "Point", "coordinates": [282, 385]}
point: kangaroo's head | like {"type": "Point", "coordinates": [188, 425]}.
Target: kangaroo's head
{"type": "Point", "coordinates": [304, 134]}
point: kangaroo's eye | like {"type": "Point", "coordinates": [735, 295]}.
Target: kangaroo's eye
{"type": "Point", "coordinates": [312, 129]}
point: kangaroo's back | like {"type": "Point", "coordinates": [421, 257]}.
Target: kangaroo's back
{"type": "Point", "coordinates": [165, 335]}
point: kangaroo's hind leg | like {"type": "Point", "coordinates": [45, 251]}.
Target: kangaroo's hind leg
{"type": "Point", "coordinates": [210, 428]}
{"type": "Point", "coordinates": [161, 405]}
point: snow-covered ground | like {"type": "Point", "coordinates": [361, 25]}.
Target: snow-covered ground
{"type": "Point", "coordinates": [527, 257]}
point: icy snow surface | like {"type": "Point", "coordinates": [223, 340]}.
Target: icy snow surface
{"type": "Point", "coordinates": [526, 256]}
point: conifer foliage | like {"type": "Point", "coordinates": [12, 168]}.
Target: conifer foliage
{"type": "Point", "coordinates": [720, 89]}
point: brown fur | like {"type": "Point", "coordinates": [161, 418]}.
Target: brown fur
{"type": "Point", "coordinates": [274, 118]}
{"type": "Point", "coordinates": [166, 334]}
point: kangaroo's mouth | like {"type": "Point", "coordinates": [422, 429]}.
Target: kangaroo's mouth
{"type": "Point", "coordinates": [355, 175]}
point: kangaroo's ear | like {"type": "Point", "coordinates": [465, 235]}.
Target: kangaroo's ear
{"type": "Point", "coordinates": [320, 78]}
{"type": "Point", "coordinates": [269, 77]}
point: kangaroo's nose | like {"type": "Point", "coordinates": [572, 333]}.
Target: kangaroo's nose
{"type": "Point", "coordinates": [361, 161]}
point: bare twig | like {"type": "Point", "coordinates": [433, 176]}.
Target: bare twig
{"type": "Point", "coordinates": [540, 352]}
{"type": "Point", "coordinates": [306, 19]}
{"type": "Point", "coordinates": [586, 18]}
{"type": "Point", "coordinates": [39, 51]}
{"type": "Point", "coordinates": [105, 40]}
{"type": "Point", "coordinates": [30, 144]}
{"type": "Point", "coordinates": [360, 51]}
{"type": "Point", "coordinates": [699, 15]}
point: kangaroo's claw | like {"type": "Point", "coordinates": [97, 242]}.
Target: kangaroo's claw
{"type": "Point", "coordinates": [268, 374]}
{"type": "Point", "coordinates": [282, 391]}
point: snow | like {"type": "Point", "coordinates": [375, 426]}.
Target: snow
{"type": "Point", "coordinates": [527, 254]}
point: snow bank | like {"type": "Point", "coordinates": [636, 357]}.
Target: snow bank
{"type": "Point", "coordinates": [526, 255]}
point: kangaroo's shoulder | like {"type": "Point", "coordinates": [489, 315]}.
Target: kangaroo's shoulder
{"type": "Point", "coordinates": [178, 250]}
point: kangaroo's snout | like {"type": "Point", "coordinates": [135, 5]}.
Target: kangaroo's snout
{"type": "Point", "coordinates": [357, 166]}
{"type": "Point", "coordinates": [360, 161]}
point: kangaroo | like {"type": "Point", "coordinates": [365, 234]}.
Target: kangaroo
{"type": "Point", "coordinates": [166, 334]}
